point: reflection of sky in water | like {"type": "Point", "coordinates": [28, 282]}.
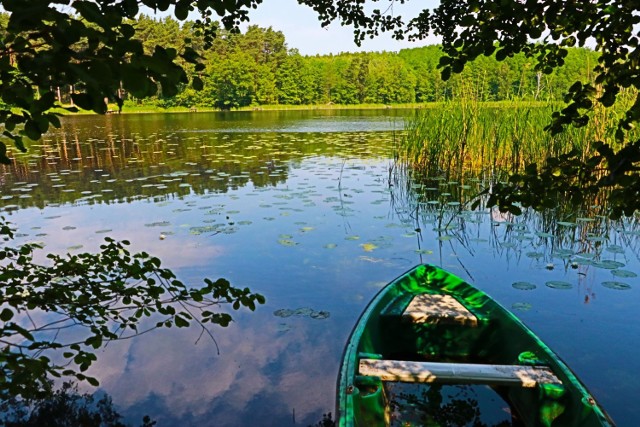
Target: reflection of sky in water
{"type": "Point", "coordinates": [325, 236]}
{"type": "Point", "coordinates": [317, 124]}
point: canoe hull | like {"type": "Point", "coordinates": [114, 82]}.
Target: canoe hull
{"type": "Point", "coordinates": [485, 334]}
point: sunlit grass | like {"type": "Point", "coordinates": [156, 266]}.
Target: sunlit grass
{"type": "Point", "coordinates": [470, 135]}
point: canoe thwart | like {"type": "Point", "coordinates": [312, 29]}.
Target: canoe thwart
{"type": "Point", "coordinates": [436, 308]}
{"type": "Point", "coordinates": [465, 373]}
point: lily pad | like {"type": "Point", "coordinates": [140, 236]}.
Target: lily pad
{"type": "Point", "coordinates": [558, 284]}
{"type": "Point", "coordinates": [287, 242]}
{"type": "Point", "coordinates": [158, 224]}
{"type": "Point", "coordinates": [283, 312]}
{"type": "Point", "coordinates": [524, 286]}
{"type": "Point", "coordinates": [521, 306]}
{"type": "Point", "coordinates": [319, 315]}
{"type": "Point", "coordinates": [617, 286]}
{"type": "Point", "coordinates": [623, 273]}
{"type": "Point", "coordinates": [423, 251]}
{"type": "Point", "coordinates": [368, 247]}
{"type": "Point", "coordinates": [303, 311]}
{"type": "Point", "coordinates": [534, 255]}
{"type": "Point", "coordinates": [608, 264]}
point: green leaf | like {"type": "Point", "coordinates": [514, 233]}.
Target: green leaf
{"type": "Point", "coordinates": [197, 83]}
{"type": "Point", "coordinates": [3, 154]}
{"type": "Point", "coordinates": [94, 382]}
{"type": "Point", "coordinates": [180, 322]}
{"type": "Point", "coordinates": [182, 10]}
{"type": "Point", "coordinates": [32, 131]}
{"type": "Point", "coordinates": [82, 100]}
{"type": "Point", "coordinates": [130, 8]}
{"type": "Point", "coordinates": [6, 314]}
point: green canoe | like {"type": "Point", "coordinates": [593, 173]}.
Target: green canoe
{"type": "Point", "coordinates": [431, 349]}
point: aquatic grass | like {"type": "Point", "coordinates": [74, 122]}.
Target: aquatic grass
{"type": "Point", "coordinates": [470, 135]}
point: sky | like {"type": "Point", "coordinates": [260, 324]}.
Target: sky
{"type": "Point", "coordinates": [302, 29]}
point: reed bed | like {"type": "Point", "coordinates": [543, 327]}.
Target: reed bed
{"type": "Point", "coordinates": [472, 136]}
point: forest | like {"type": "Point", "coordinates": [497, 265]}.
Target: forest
{"type": "Point", "coordinates": [257, 68]}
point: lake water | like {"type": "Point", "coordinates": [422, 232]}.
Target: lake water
{"type": "Point", "coordinates": [308, 209]}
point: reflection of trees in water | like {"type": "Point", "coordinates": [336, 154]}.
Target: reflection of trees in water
{"type": "Point", "coordinates": [447, 406]}
{"type": "Point", "coordinates": [326, 421]}
{"type": "Point", "coordinates": [82, 164]}
{"type": "Point", "coordinates": [458, 202]}
{"type": "Point", "coordinates": [453, 209]}
{"type": "Point", "coordinates": [65, 407]}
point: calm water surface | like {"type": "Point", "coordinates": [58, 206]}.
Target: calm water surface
{"type": "Point", "coordinates": [306, 208]}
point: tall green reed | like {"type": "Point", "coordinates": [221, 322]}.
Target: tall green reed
{"type": "Point", "coordinates": [468, 135]}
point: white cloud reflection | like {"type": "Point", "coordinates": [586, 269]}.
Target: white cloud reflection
{"type": "Point", "coordinates": [287, 371]}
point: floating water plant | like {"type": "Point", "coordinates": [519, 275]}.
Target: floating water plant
{"type": "Point", "coordinates": [617, 286]}
{"type": "Point", "coordinates": [558, 284]}
{"type": "Point", "coordinates": [368, 247]}
{"type": "Point", "coordinates": [524, 286]}
{"type": "Point", "coordinates": [623, 273]}
{"type": "Point", "coordinates": [608, 264]}
{"type": "Point", "coordinates": [287, 242]}
{"type": "Point", "coordinates": [521, 306]}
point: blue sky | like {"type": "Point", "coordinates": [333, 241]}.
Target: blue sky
{"type": "Point", "coordinates": [302, 29]}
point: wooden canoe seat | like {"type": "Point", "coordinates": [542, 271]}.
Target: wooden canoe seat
{"type": "Point", "coordinates": [460, 373]}
{"type": "Point", "coordinates": [435, 308]}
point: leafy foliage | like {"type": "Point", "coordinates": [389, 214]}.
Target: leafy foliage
{"type": "Point", "coordinates": [76, 304]}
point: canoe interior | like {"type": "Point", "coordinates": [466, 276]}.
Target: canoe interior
{"type": "Point", "coordinates": [494, 337]}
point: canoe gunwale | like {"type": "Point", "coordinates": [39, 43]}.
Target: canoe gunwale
{"type": "Point", "coordinates": [426, 278]}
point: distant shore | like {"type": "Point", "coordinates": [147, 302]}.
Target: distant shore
{"type": "Point", "coordinates": [145, 109]}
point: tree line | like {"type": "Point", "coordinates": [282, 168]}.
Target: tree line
{"type": "Point", "coordinates": [257, 68]}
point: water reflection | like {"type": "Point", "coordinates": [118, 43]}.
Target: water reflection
{"type": "Point", "coordinates": [314, 220]}
{"type": "Point", "coordinates": [262, 376]}
{"type": "Point", "coordinates": [448, 405]}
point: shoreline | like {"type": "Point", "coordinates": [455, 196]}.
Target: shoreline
{"type": "Point", "coordinates": [113, 109]}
